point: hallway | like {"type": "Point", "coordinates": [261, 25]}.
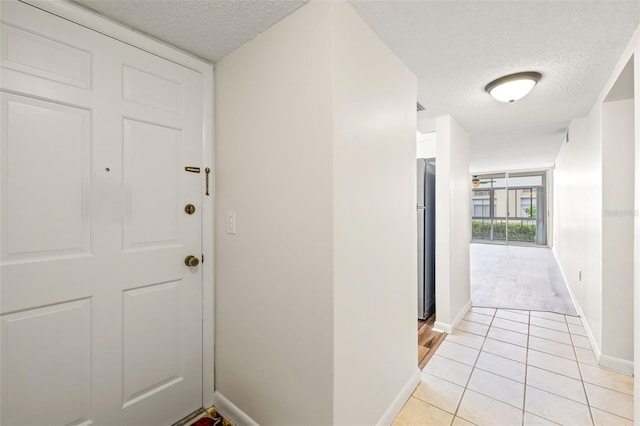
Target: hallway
{"type": "Point", "coordinates": [517, 277]}
{"type": "Point", "coordinates": [510, 367]}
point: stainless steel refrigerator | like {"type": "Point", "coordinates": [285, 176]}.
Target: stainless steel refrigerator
{"type": "Point", "coordinates": [426, 237]}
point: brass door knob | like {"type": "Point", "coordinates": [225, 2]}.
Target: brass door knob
{"type": "Point", "coordinates": [191, 261]}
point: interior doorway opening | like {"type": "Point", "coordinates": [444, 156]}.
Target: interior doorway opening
{"type": "Point", "coordinates": [510, 208]}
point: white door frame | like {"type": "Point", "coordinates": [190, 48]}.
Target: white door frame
{"type": "Point", "coordinates": [114, 30]}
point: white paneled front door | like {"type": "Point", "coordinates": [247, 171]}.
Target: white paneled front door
{"type": "Point", "coordinates": [100, 317]}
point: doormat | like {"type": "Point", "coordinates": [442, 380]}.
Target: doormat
{"type": "Point", "coordinates": [212, 418]}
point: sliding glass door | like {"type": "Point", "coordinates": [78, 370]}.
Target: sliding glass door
{"type": "Point", "coordinates": [523, 212]}
{"type": "Point", "coordinates": [489, 209]}
{"type": "Point", "coordinates": [509, 208]}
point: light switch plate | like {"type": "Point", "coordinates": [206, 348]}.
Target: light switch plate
{"type": "Point", "coordinates": [231, 222]}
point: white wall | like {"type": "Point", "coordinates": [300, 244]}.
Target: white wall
{"type": "Point", "coordinates": [592, 174]}
{"type": "Point", "coordinates": [316, 293]}
{"type": "Point", "coordinates": [274, 292]}
{"type": "Point", "coordinates": [453, 223]}
{"type": "Point", "coordinates": [578, 217]}
{"type": "Point", "coordinates": [636, 243]}
{"type": "Point", "coordinates": [375, 259]}
{"type": "Point", "coordinates": [617, 220]}
{"type": "Point", "coordinates": [426, 145]}
{"type": "Point", "coordinates": [550, 207]}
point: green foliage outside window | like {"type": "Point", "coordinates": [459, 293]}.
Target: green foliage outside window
{"type": "Point", "coordinates": [531, 211]}
{"type": "Point", "coordinates": [517, 232]}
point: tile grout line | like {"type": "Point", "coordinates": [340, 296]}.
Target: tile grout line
{"type": "Point", "coordinates": [560, 374]}
{"type": "Point", "coordinates": [491, 372]}
{"type": "Point", "coordinates": [581, 379]}
{"type": "Point", "coordinates": [574, 348]}
{"type": "Point", "coordinates": [584, 388]}
{"type": "Point", "coordinates": [528, 349]}
{"type": "Point", "coordinates": [455, 414]}
{"type": "Point", "coordinates": [584, 383]}
{"type": "Point", "coordinates": [500, 356]}
{"type": "Point", "coordinates": [529, 332]}
{"type": "Point", "coordinates": [550, 319]}
{"type": "Point", "coordinates": [555, 341]}
{"type": "Point", "coordinates": [526, 371]}
{"type": "Point", "coordinates": [561, 396]}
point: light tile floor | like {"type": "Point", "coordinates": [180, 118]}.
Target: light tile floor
{"type": "Point", "coordinates": [509, 367]}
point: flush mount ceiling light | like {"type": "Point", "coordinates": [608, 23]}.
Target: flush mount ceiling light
{"type": "Point", "coordinates": [512, 87]}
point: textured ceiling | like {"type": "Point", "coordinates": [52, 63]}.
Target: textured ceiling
{"type": "Point", "coordinates": [454, 47]}
{"type": "Point", "coordinates": [207, 28]}
{"type": "Point", "coordinates": [517, 149]}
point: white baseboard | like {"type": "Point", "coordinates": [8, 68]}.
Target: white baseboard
{"type": "Point", "coordinates": [449, 328]}
{"type": "Point", "coordinates": [398, 402]}
{"type": "Point", "coordinates": [240, 418]}
{"type": "Point", "coordinates": [592, 338]}
{"type": "Point", "coordinates": [230, 411]}
{"type": "Point", "coordinates": [618, 364]}
{"type": "Point", "coordinates": [566, 284]}
{"type": "Point", "coordinates": [585, 322]}
{"type": "Point", "coordinates": [574, 300]}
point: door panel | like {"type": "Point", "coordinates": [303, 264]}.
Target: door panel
{"type": "Point", "coordinates": [151, 184]}
{"type": "Point", "coordinates": [148, 89]}
{"type": "Point", "coordinates": [94, 233]}
{"type": "Point", "coordinates": [151, 318]}
{"type": "Point", "coordinates": [161, 134]}
{"type": "Point", "coordinates": [51, 183]}
{"type": "Point", "coordinates": [31, 53]}
{"type": "Point", "coordinates": [56, 341]}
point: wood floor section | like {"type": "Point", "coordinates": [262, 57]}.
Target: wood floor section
{"type": "Point", "coordinates": [428, 340]}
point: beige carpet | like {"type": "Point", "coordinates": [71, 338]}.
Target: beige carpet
{"type": "Point", "coordinates": [514, 277]}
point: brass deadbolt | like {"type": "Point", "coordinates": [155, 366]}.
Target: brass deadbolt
{"type": "Point", "coordinates": [190, 209]}
{"type": "Point", "coordinates": [191, 261]}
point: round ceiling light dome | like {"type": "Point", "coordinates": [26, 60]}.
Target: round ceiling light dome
{"type": "Point", "coordinates": [512, 87]}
